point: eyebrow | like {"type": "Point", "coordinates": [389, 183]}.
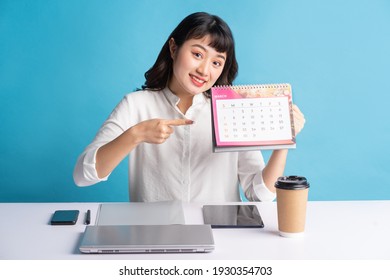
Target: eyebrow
{"type": "Point", "coordinates": [203, 48]}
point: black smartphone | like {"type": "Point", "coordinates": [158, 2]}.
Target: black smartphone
{"type": "Point", "coordinates": [232, 216]}
{"type": "Point", "coordinates": [65, 217]}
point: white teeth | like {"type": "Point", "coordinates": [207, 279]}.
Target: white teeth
{"type": "Point", "coordinates": [198, 80]}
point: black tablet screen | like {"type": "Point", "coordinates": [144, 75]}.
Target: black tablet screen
{"type": "Point", "coordinates": [232, 216]}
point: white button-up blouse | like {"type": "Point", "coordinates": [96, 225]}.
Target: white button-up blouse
{"type": "Point", "coordinates": [182, 168]}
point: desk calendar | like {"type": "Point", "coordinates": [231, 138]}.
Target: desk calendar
{"type": "Point", "coordinates": [252, 117]}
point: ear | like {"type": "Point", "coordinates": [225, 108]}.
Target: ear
{"type": "Point", "coordinates": [172, 48]}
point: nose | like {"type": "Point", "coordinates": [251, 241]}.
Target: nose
{"type": "Point", "coordinates": [203, 68]}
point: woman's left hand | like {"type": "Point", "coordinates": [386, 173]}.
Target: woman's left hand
{"type": "Point", "coordinates": [299, 119]}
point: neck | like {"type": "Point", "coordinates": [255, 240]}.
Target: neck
{"type": "Point", "coordinates": [185, 99]}
{"type": "Point", "coordinates": [185, 103]}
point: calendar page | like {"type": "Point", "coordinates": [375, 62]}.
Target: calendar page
{"type": "Point", "coordinates": [252, 117]}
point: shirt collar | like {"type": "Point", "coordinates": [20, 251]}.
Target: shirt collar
{"type": "Point", "coordinates": [174, 100]}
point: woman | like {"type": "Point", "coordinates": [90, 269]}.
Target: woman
{"type": "Point", "coordinates": [166, 127]}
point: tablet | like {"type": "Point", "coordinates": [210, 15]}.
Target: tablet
{"type": "Point", "coordinates": [232, 216]}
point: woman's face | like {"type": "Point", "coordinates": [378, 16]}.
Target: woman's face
{"type": "Point", "coordinates": [196, 66]}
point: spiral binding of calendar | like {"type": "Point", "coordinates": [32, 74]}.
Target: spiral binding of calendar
{"type": "Point", "coordinates": [253, 86]}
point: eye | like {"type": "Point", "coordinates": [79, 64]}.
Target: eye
{"type": "Point", "coordinates": [197, 54]}
{"type": "Point", "coordinates": [217, 63]}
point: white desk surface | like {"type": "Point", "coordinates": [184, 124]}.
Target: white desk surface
{"type": "Point", "coordinates": [337, 230]}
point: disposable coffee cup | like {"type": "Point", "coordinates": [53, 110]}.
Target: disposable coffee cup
{"type": "Point", "coordinates": [291, 198]}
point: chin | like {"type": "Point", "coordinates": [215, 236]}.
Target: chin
{"type": "Point", "coordinates": [195, 91]}
{"type": "Point", "coordinates": [199, 90]}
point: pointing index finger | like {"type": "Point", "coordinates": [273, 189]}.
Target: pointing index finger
{"type": "Point", "coordinates": [178, 122]}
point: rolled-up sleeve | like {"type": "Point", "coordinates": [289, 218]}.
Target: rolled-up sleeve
{"type": "Point", "coordinates": [250, 167]}
{"type": "Point", "coordinates": [85, 173]}
{"type": "Point", "coordinates": [259, 191]}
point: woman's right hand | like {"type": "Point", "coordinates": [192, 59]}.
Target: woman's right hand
{"type": "Point", "coordinates": [156, 131]}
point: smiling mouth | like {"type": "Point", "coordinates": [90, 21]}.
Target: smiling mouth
{"type": "Point", "coordinates": [197, 80]}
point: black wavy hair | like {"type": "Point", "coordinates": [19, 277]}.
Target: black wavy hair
{"type": "Point", "coordinates": [195, 26]}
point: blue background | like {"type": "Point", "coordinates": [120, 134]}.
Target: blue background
{"type": "Point", "coordinates": [64, 65]}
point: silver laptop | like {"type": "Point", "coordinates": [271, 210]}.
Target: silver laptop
{"type": "Point", "coordinates": [113, 239]}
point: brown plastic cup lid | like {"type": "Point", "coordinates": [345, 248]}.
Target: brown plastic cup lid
{"type": "Point", "coordinates": [292, 183]}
